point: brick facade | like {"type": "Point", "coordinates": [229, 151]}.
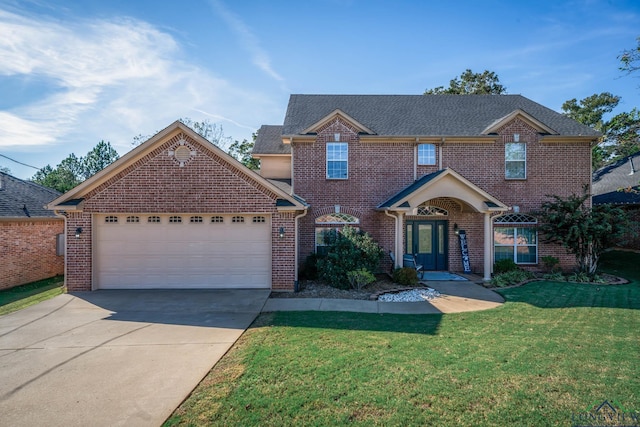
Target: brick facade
{"type": "Point", "coordinates": [28, 248]}
{"type": "Point", "coordinates": [156, 183]}
{"type": "Point", "coordinates": [378, 170]}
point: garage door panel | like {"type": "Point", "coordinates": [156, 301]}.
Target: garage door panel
{"type": "Point", "coordinates": [182, 255]}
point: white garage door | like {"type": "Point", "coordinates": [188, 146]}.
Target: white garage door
{"type": "Point", "coordinates": [142, 251]}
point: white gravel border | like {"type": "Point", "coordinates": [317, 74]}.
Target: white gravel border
{"type": "Point", "coordinates": [413, 295]}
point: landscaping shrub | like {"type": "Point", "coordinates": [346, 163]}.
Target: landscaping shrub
{"type": "Point", "coordinates": [348, 250]}
{"type": "Point", "coordinates": [512, 277]}
{"type": "Point", "coordinates": [581, 277]}
{"type": "Point", "coordinates": [360, 278]}
{"type": "Point", "coordinates": [309, 270]}
{"type": "Point", "coordinates": [504, 265]}
{"type": "Point", "coordinates": [405, 276]}
{"type": "Point", "coordinates": [555, 277]}
{"type": "Point", "coordinates": [550, 263]}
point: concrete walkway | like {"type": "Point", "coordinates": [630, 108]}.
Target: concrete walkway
{"type": "Point", "coordinates": [115, 358]}
{"type": "Point", "coordinates": [456, 297]}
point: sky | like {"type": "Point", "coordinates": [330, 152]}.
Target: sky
{"type": "Point", "coordinates": [73, 73]}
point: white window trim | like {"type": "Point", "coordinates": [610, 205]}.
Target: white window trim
{"type": "Point", "coordinates": [515, 245]}
{"type": "Point", "coordinates": [507, 161]}
{"type": "Point", "coordinates": [327, 160]}
{"type": "Point", "coordinates": [435, 155]}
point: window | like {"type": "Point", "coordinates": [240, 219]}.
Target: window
{"type": "Point", "coordinates": [325, 235]}
{"type": "Point", "coordinates": [195, 220]}
{"type": "Point", "coordinates": [175, 219]}
{"type": "Point", "coordinates": [257, 219]}
{"type": "Point", "coordinates": [515, 237]}
{"type": "Point", "coordinates": [153, 219]}
{"type": "Point", "coordinates": [515, 160]}
{"type": "Point", "coordinates": [237, 219]}
{"type": "Point", "coordinates": [337, 160]}
{"type": "Point", "coordinates": [111, 218]}
{"type": "Point", "coordinates": [426, 154]}
{"type": "Point", "coordinates": [133, 219]}
{"type": "Point", "coordinates": [217, 219]}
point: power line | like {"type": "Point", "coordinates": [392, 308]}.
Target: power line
{"type": "Point", "coordinates": [20, 163]}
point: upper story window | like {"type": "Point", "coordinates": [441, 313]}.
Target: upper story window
{"type": "Point", "coordinates": [337, 160]}
{"type": "Point", "coordinates": [515, 160]}
{"type": "Point", "coordinates": [426, 154]}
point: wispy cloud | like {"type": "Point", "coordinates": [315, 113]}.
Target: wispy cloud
{"type": "Point", "coordinates": [248, 40]}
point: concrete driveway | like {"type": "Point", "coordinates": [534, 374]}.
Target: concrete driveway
{"type": "Point", "coordinates": [109, 358]}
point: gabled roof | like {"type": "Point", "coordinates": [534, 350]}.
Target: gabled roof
{"type": "Point", "coordinates": [24, 199]}
{"type": "Point", "coordinates": [269, 141]}
{"type": "Point", "coordinates": [425, 115]}
{"type": "Point", "coordinates": [443, 183]}
{"type": "Point", "coordinates": [73, 199]}
{"type": "Point", "coordinates": [621, 174]}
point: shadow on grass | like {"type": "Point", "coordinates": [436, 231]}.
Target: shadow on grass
{"type": "Point", "coordinates": [426, 324]}
{"type": "Point", "coordinates": [8, 296]}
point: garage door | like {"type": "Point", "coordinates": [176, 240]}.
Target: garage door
{"type": "Point", "coordinates": [182, 251]}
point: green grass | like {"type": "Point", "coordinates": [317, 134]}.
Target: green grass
{"type": "Point", "coordinates": [549, 353]}
{"type": "Point", "coordinates": [32, 293]}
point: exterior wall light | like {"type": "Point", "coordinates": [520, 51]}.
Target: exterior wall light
{"type": "Point", "coordinates": [281, 232]}
{"type": "Point", "coordinates": [78, 232]}
{"type": "Point", "coordinates": [456, 230]}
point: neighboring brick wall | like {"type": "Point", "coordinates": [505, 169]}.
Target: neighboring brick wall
{"type": "Point", "coordinates": [157, 184]}
{"type": "Point", "coordinates": [28, 249]}
{"type": "Point", "coordinates": [379, 170]}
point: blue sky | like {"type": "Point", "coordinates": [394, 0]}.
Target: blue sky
{"type": "Point", "coordinates": [73, 73]}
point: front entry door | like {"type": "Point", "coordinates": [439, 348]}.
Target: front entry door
{"type": "Point", "coordinates": [427, 240]}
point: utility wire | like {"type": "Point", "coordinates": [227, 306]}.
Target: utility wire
{"type": "Point", "coordinates": [20, 163]}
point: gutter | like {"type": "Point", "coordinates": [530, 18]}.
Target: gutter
{"type": "Point", "coordinates": [395, 243]}
{"type": "Point", "coordinates": [296, 246]}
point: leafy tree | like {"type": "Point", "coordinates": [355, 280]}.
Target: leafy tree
{"type": "Point", "coordinates": [241, 151]}
{"type": "Point", "coordinates": [101, 156]}
{"type": "Point", "coordinates": [624, 129]}
{"type": "Point", "coordinates": [583, 231]}
{"type": "Point", "coordinates": [590, 110]}
{"type": "Point", "coordinates": [212, 132]}
{"type": "Point", "coordinates": [630, 59]}
{"type": "Point", "coordinates": [470, 83]}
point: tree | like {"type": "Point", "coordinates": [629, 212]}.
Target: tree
{"type": "Point", "coordinates": [624, 129]}
{"type": "Point", "coordinates": [630, 59]}
{"type": "Point", "coordinates": [210, 131]}
{"type": "Point", "coordinates": [241, 151]}
{"type": "Point", "coordinates": [583, 231]}
{"type": "Point", "coordinates": [101, 156]}
{"type": "Point", "coordinates": [470, 83]}
{"type": "Point", "coordinates": [590, 110]}
{"type": "Point", "coordinates": [73, 170]}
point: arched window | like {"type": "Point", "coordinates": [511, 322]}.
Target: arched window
{"type": "Point", "coordinates": [328, 224]}
{"type": "Point", "coordinates": [515, 237]}
{"type": "Point", "coordinates": [426, 210]}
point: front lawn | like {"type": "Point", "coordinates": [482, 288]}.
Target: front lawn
{"type": "Point", "coordinates": [543, 358]}
{"type": "Point", "coordinates": [32, 293]}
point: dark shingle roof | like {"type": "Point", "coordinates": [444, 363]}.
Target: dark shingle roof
{"type": "Point", "coordinates": [410, 189]}
{"type": "Point", "coordinates": [269, 141]}
{"type": "Point", "coordinates": [424, 115]}
{"type": "Point", "coordinates": [24, 199]}
{"type": "Point", "coordinates": [621, 174]}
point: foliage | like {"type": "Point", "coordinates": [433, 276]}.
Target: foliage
{"type": "Point", "coordinates": [630, 59]}
{"type": "Point", "coordinates": [582, 277]}
{"type": "Point", "coordinates": [73, 170]}
{"type": "Point", "coordinates": [550, 263]}
{"type": "Point", "coordinates": [241, 151]}
{"type": "Point", "coordinates": [5, 170]}
{"type": "Point", "coordinates": [504, 265]}
{"type": "Point", "coordinates": [348, 250]}
{"type": "Point", "coordinates": [511, 277]}
{"type": "Point", "coordinates": [583, 231]}
{"type": "Point", "coordinates": [212, 132]}
{"type": "Point", "coordinates": [624, 130]}
{"type": "Point", "coordinates": [555, 277]}
{"type": "Point", "coordinates": [405, 276]}
{"type": "Point", "coordinates": [309, 269]}
{"type": "Point", "coordinates": [470, 83]}
{"type": "Point", "coordinates": [360, 278]}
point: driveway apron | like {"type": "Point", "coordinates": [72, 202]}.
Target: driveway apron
{"type": "Point", "coordinates": [110, 358]}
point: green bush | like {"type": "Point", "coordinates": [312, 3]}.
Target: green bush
{"type": "Point", "coordinates": [512, 277]}
{"type": "Point", "coordinates": [555, 277]}
{"type": "Point", "coordinates": [581, 277]}
{"type": "Point", "coordinates": [405, 276]}
{"type": "Point", "coordinates": [348, 250]}
{"type": "Point", "coordinates": [504, 265]}
{"type": "Point", "coordinates": [360, 278]}
{"type": "Point", "coordinates": [550, 263]}
{"type": "Point", "coordinates": [309, 270]}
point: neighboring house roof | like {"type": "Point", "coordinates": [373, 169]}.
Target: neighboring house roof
{"type": "Point", "coordinates": [269, 141]}
{"type": "Point", "coordinates": [74, 198]}
{"type": "Point", "coordinates": [24, 199]}
{"type": "Point", "coordinates": [425, 115]}
{"type": "Point", "coordinates": [621, 174]}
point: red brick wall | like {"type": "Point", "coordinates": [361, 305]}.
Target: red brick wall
{"type": "Point", "coordinates": [28, 249]}
{"type": "Point", "coordinates": [378, 170]}
{"type": "Point", "coordinates": [157, 184]}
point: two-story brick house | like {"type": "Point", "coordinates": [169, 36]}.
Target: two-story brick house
{"type": "Point", "coordinates": [178, 212]}
{"type": "Point", "coordinates": [415, 170]}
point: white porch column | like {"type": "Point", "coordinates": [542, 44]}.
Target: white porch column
{"type": "Point", "coordinates": [488, 239]}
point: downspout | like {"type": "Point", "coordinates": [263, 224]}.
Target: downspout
{"type": "Point", "coordinates": [295, 255]}
{"type": "Point", "coordinates": [63, 215]}
{"type": "Point", "coordinates": [396, 248]}
{"type": "Point", "coordinates": [440, 154]}
{"type": "Point", "coordinates": [415, 159]}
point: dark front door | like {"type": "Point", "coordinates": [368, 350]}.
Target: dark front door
{"type": "Point", "coordinates": [427, 240]}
